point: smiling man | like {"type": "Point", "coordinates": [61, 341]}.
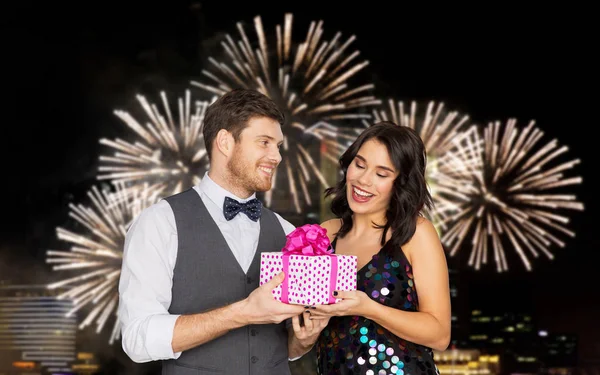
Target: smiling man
{"type": "Point", "coordinates": [189, 292]}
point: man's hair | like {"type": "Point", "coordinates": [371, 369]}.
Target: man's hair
{"type": "Point", "coordinates": [232, 112]}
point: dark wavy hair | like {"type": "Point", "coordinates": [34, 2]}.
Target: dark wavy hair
{"type": "Point", "coordinates": [410, 195]}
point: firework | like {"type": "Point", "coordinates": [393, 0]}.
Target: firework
{"type": "Point", "coordinates": [453, 152]}
{"type": "Point", "coordinates": [93, 263]}
{"type": "Point", "coordinates": [310, 82]}
{"type": "Point", "coordinates": [169, 156]}
{"type": "Point", "coordinates": [515, 198]}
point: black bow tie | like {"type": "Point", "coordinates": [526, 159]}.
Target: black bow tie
{"type": "Point", "coordinates": [252, 208]}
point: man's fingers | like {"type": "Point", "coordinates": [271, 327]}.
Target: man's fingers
{"type": "Point", "coordinates": [296, 323]}
{"type": "Point", "coordinates": [318, 317]}
{"type": "Point", "coordinates": [307, 322]}
{"type": "Point", "coordinates": [275, 281]}
{"type": "Point", "coordinates": [292, 309]}
{"type": "Point", "coordinates": [287, 311]}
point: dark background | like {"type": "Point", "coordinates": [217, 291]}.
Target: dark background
{"type": "Point", "coordinates": [68, 67]}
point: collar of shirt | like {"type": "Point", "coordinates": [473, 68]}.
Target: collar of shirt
{"type": "Point", "coordinates": [217, 194]}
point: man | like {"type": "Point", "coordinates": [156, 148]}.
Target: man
{"type": "Point", "coordinates": [189, 293]}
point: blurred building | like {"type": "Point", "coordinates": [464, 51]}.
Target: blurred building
{"type": "Point", "coordinates": [466, 361]}
{"type": "Point", "coordinates": [459, 322]}
{"type": "Point", "coordinates": [522, 347]}
{"type": "Point", "coordinates": [36, 337]}
{"type": "Point", "coordinates": [558, 349]}
{"type": "Point", "coordinates": [86, 364]}
{"type": "Point", "coordinates": [558, 352]}
{"type": "Point", "coordinates": [511, 335]}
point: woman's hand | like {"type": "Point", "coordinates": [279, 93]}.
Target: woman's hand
{"type": "Point", "coordinates": [354, 302]}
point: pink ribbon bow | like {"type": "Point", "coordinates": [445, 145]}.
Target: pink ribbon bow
{"type": "Point", "coordinates": [309, 239]}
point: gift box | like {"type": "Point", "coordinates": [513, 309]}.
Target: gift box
{"type": "Point", "coordinates": [312, 270]}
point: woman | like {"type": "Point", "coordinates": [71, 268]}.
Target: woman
{"type": "Point", "coordinates": [401, 310]}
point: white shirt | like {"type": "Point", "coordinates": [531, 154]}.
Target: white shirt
{"type": "Point", "coordinates": [149, 257]}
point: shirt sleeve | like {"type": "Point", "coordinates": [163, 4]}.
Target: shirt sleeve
{"type": "Point", "coordinates": [286, 225]}
{"type": "Point", "coordinates": [145, 285]}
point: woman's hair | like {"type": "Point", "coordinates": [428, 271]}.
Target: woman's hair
{"type": "Point", "coordinates": [410, 195]}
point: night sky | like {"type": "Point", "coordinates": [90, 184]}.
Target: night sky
{"type": "Point", "coordinates": [68, 68]}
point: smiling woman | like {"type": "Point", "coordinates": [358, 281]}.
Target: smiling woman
{"type": "Point", "coordinates": [384, 173]}
{"type": "Point", "coordinates": [384, 326]}
{"type": "Point", "coordinates": [370, 182]}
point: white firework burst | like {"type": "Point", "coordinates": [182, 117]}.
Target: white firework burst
{"type": "Point", "coordinates": [92, 265]}
{"type": "Point", "coordinates": [310, 83]}
{"type": "Point", "coordinates": [453, 152]}
{"type": "Point", "coordinates": [516, 196]}
{"type": "Point", "coordinates": [166, 153]}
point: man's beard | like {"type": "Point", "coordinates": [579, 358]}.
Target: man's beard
{"type": "Point", "coordinates": [245, 175]}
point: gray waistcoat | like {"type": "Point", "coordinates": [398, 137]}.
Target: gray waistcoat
{"type": "Point", "coordinates": [207, 276]}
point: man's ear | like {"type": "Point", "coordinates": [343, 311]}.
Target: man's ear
{"type": "Point", "coordinates": [224, 142]}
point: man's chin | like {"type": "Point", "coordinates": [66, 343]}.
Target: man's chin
{"type": "Point", "coordinates": [263, 187]}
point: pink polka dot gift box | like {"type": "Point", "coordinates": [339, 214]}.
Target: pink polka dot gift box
{"type": "Point", "coordinates": [312, 269]}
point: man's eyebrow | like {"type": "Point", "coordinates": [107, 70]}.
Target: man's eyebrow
{"type": "Point", "coordinates": [268, 137]}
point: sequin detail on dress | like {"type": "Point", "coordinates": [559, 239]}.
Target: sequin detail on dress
{"type": "Point", "coordinates": [356, 345]}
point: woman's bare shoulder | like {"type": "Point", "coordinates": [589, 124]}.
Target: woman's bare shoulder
{"type": "Point", "coordinates": [332, 226]}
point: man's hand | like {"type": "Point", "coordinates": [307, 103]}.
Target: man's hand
{"type": "Point", "coordinates": [308, 333]}
{"type": "Point", "coordinates": [261, 307]}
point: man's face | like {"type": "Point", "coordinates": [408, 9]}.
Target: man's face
{"type": "Point", "coordinates": [256, 155]}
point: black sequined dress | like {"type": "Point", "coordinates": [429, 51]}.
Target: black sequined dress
{"type": "Point", "coordinates": [356, 345]}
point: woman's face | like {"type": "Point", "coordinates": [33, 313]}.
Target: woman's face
{"type": "Point", "coordinates": [370, 179]}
